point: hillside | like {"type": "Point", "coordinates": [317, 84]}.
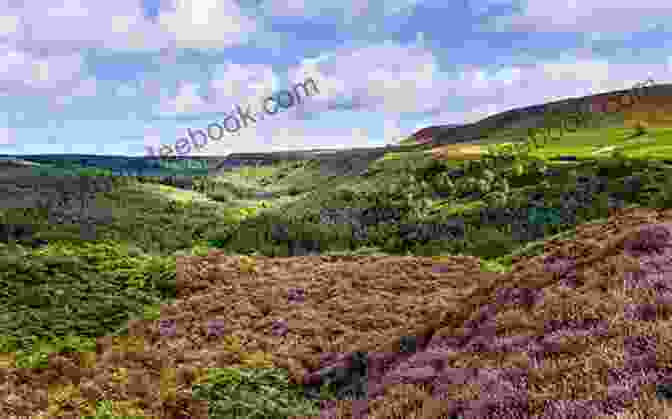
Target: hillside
{"type": "Point", "coordinates": [447, 275]}
{"type": "Point", "coordinates": [655, 99]}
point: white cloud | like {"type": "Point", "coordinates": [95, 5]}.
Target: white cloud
{"type": "Point", "coordinates": [75, 24]}
{"type": "Point", "coordinates": [350, 10]}
{"type": "Point", "coordinates": [399, 78]}
{"type": "Point", "coordinates": [21, 70]}
{"type": "Point", "coordinates": [207, 23]}
{"type": "Point", "coordinates": [234, 84]}
{"type": "Point", "coordinates": [278, 132]}
{"type": "Point", "coordinates": [407, 79]}
{"type": "Point", "coordinates": [70, 25]}
{"type": "Point", "coordinates": [391, 131]}
{"type": "Point", "coordinates": [604, 16]}
{"type": "Point", "coordinates": [9, 24]}
{"type": "Point", "coordinates": [544, 82]}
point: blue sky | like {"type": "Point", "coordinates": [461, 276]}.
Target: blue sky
{"type": "Point", "coordinates": [98, 77]}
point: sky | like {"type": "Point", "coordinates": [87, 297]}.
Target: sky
{"type": "Point", "coordinates": [115, 77]}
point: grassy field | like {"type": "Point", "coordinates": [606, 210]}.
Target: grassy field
{"type": "Point", "coordinates": [62, 296]}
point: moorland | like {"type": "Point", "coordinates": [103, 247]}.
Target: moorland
{"type": "Point", "coordinates": [416, 282]}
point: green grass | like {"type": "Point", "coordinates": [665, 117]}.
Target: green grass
{"type": "Point", "coordinates": [584, 141]}
{"type": "Point", "coordinates": [408, 141]}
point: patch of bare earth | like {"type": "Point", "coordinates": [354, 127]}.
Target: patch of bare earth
{"type": "Point", "coordinates": [583, 331]}
{"type": "Point", "coordinates": [457, 152]}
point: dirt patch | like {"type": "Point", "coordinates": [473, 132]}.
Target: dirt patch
{"type": "Point", "coordinates": [458, 151]}
{"type": "Point", "coordinates": [581, 331]}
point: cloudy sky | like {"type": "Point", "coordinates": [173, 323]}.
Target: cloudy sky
{"type": "Point", "coordinates": [112, 77]}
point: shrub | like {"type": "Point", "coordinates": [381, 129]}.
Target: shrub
{"type": "Point", "coordinates": [496, 199]}
{"type": "Point", "coordinates": [489, 175]}
{"type": "Point", "coordinates": [443, 183]}
{"type": "Point", "coordinates": [253, 393]}
{"type": "Point", "coordinates": [483, 186]}
{"type": "Point", "coordinates": [346, 195]}
{"type": "Point", "coordinates": [430, 169]}
{"type": "Point", "coordinates": [467, 185]}
{"type": "Point", "coordinates": [488, 242]}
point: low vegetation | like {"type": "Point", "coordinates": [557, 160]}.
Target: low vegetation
{"type": "Point", "coordinates": [60, 297]}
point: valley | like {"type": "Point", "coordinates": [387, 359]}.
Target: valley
{"type": "Point", "coordinates": [394, 281]}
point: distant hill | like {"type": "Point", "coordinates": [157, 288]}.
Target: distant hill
{"type": "Point", "coordinates": [655, 108]}
{"type": "Point", "coordinates": [428, 133]}
{"type": "Point", "coordinates": [15, 162]}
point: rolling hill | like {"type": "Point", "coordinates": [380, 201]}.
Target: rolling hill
{"type": "Point", "coordinates": [131, 296]}
{"type": "Point", "coordinates": [653, 108]}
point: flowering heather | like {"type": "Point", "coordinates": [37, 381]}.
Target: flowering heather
{"type": "Point", "coordinates": [440, 269]}
{"type": "Point", "coordinates": [504, 391]}
{"type": "Point", "coordinates": [467, 343]}
{"type": "Point", "coordinates": [167, 327]}
{"type": "Point", "coordinates": [216, 328]}
{"type": "Point", "coordinates": [526, 297]}
{"type": "Point", "coordinates": [562, 268]}
{"type": "Point", "coordinates": [650, 239]}
{"type": "Point", "coordinates": [296, 295]}
{"type": "Point", "coordinates": [279, 328]}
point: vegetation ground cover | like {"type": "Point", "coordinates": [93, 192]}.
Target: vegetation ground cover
{"type": "Point", "coordinates": [63, 301]}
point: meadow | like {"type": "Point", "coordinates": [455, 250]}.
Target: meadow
{"type": "Point", "coordinates": [62, 298]}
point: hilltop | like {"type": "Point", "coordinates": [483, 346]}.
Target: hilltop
{"type": "Point", "coordinates": [653, 108]}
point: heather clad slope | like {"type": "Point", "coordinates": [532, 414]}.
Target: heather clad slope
{"type": "Point", "coordinates": [440, 336]}
{"type": "Point", "coordinates": [582, 330]}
